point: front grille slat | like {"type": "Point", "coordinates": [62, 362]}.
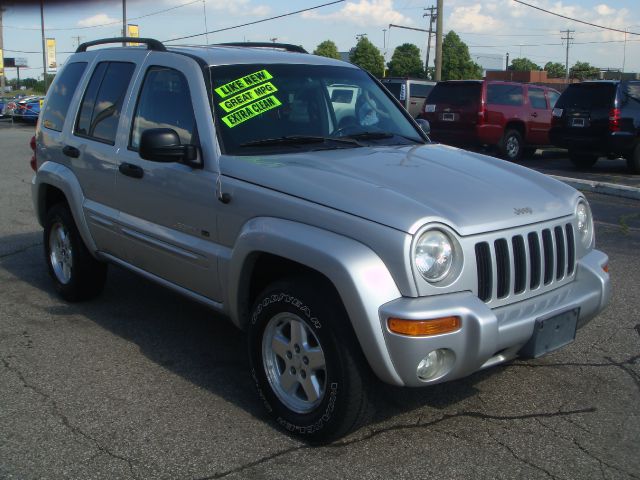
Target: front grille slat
{"type": "Point", "coordinates": [524, 262]}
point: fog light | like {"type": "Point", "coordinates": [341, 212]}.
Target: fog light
{"type": "Point", "coordinates": [435, 364]}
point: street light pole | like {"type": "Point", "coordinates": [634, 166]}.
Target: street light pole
{"type": "Point", "coordinates": [124, 21]}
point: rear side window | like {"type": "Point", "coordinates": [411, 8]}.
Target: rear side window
{"type": "Point", "coordinates": [504, 94]}
{"type": "Point", "coordinates": [102, 102]}
{"type": "Point", "coordinates": [61, 94]}
{"type": "Point", "coordinates": [164, 102]}
{"type": "Point", "coordinates": [536, 98]}
{"type": "Point", "coordinates": [456, 94]}
{"type": "Point", "coordinates": [553, 98]}
{"type": "Point", "coordinates": [420, 90]}
{"type": "Point", "coordinates": [588, 95]}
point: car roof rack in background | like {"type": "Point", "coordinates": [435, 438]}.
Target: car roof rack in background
{"type": "Point", "coordinates": [151, 43]}
{"type": "Point", "coordinates": [279, 46]}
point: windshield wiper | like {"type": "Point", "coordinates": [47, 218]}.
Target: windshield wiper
{"type": "Point", "coordinates": [300, 140]}
{"type": "Point", "coordinates": [379, 136]}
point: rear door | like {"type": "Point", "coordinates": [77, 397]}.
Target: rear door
{"type": "Point", "coordinates": [168, 211]}
{"type": "Point", "coordinates": [539, 116]}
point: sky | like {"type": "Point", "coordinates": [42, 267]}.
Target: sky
{"type": "Point", "coordinates": [489, 28]}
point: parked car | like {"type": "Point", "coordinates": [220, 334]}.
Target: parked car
{"type": "Point", "coordinates": [27, 109]}
{"type": "Point", "coordinates": [513, 117]}
{"type": "Point", "coordinates": [343, 250]}
{"type": "Point", "coordinates": [410, 92]}
{"type": "Point", "coordinates": [599, 119]}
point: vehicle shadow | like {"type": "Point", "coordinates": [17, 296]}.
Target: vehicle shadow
{"type": "Point", "coordinates": [190, 340]}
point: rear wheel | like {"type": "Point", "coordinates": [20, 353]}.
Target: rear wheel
{"type": "Point", "coordinates": [511, 145]}
{"type": "Point", "coordinates": [76, 274]}
{"type": "Point", "coordinates": [582, 160]}
{"type": "Point", "coordinates": [633, 160]}
{"type": "Point", "coordinates": [306, 362]}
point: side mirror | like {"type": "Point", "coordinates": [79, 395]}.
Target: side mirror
{"type": "Point", "coordinates": [424, 125]}
{"type": "Point", "coordinates": [163, 145]}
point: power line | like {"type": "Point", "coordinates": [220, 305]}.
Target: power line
{"type": "Point", "coordinates": [575, 19]}
{"type": "Point", "coordinates": [255, 22]}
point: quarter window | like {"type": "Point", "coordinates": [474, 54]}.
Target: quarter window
{"type": "Point", "coordinates": [102, 102]}
{"type": "Point", "coordinates": [164, 102]}
{"type": "Point", "coordinates": [536, 98]}
{"type": "Point", "coordinates": [420, 90]}
{"type": "Point", "coordinates": [504, 94]}
{"type": "Point", "coordinates": [62, 92]}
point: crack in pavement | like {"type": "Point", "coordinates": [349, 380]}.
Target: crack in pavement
{"type": "Point", "coordinates": [522, 459]}
{"type": "Point", "coordinates": [20, 250]}
{"type": "Point", "coordinates": [406, 426]}
{"type": "Point", "coordinates": [57, 412]}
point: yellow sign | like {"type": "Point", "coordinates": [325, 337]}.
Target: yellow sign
{"type": "Point", "coordinates": [41, 103]}
{"type": "Point", "coordinates": [243, 83]}
{"type": "Point", "coordinates": [248, 96]}
{"type": "Point", "coordinates": [250, 111]}
{"type": "Point", "coordinates": [51, 54]}
{"type": "Point", "coordinates": [133, 31]}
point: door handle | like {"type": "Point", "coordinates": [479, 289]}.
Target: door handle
{"type": "Point", "coordinates": [534, 114]}
{"type": "Point", "coordinates": [131, 170]}
{"type": "Point", "coordinates": [70, 151]}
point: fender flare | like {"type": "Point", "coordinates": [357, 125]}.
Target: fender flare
{"type": "Point", "coordinates": [358, 274]}
{"type": "Point", "coordinates": [56, 175]}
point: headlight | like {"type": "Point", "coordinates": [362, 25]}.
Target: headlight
{"type": "Point", "coordinates": [585, 223]}
{"type": "Point", "coordinates": [434, 254]}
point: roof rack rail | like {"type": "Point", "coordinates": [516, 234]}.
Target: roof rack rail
{"type": "Point", "coordinates": [151, 43]}
{"type": "Point", "coordinates": [282, 46]}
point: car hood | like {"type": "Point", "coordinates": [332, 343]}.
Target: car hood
{"type": "Point", "coordinates": [405, 187]}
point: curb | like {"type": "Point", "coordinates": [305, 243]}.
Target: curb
{"type": "Point", "coordinates": [601, 187]}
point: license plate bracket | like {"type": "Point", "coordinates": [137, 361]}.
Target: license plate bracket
{"type": "Point", "coordinates": [578, 122]}
{"type": "Point", "coordinates": [448, 117]}
{"type": "Point", "coordinates": [551, 333]}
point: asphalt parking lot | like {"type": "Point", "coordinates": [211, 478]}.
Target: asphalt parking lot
{"type": "Point", "coordinates": [142, 383]}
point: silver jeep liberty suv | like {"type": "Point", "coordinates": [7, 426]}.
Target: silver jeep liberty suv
{"type": "Point", "coordinates": [294, 195]}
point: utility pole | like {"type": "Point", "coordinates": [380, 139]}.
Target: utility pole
{"type": "Point", "coordinates": [440, 15]}
{"type": "Point", "coordinates": [432, 17]}
{"type": "Point", "coordinates": [506, 67]}
{"type": "Point", "coordinates": [77, 38]}
{"type": "Point", "coordinates": [44, 50]}
{"type": "Point", "coordinates": [568, 38]}
{"type": "Point", "coordinates": [2, 84]}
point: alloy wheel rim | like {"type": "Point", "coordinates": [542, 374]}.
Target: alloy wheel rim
{"type": "Point", "coordinates": [294, 362]}
{"type": "Point", "coordinates": [60, 253]}
{"type": "Point", "coordinates": [512, 147]}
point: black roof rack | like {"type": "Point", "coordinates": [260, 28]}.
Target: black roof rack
{"type": "Point", "coordinates": [281, 46]}
{"type": "Point", "coordinates": [151, 43]}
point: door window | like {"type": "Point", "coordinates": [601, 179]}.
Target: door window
{"type": "Point", "coordinates": [504, 94]}
{"type": "Point", "coordinates": [63, 89]}
{"type": "Point", "coordinates": [536, 98]}
{"type": "Point", "coordinates": [102, 102]}
{"type": "Point", "coordinates": [164, 102]}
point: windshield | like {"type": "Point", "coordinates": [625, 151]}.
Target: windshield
{"type": "Point", "coordinates": [287, 108]}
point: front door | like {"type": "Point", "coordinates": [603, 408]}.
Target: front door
{"type": "Point", "coordinates": [539, 117]}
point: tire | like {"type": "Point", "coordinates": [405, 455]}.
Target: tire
{"type": "Point", "coordinates": [528, 152]}
{"type": "Point", "coordinates": [633, 160]}
{"type": "Point", "coordinates": [315, 389]}
{"type": "Point", "coordinates": [582, 160]}
{"type": "Point", "coordinates": [511, 145]}
{"type": "Point", "coordinates": [76, 274]}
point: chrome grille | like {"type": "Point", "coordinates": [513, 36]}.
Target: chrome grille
{"type": "Point", "coordinates": [521, 263]}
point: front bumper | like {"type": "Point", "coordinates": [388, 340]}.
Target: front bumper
{"type": "Point", "coordinates": [489, 337]}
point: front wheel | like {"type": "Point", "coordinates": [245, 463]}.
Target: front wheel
{"type": "Point", "coordinates": [512, 145]}
{"type": "Point", "coordinates": [306, 362]}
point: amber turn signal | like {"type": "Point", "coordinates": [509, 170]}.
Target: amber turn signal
{"type": "Point", "coordinates": [423, 328]}
{"type": "Point", "coordinates": [605, 267]}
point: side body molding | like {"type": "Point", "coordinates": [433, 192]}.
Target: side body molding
{"type": "Point", "coordinates": [358, 274]}
{"type": "Point", "coordinates": [61, 177]}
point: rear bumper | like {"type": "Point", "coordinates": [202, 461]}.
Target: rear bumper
{"type": "Point", "coordinates": [613, 143]}
{"type": "Point", "coordinates": [489, 337]}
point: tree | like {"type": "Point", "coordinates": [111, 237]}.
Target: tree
{"type": "Point", "coordinates": [456, 61]}
{"type": "Point", "coordinates": [555, 70]}
{"type": "Point", "coordinates": [406, 62]}
{"type": "Point", "coordinates": [367, 56]}
{"type": "Point", "coordinates": [327, 49]}
{"type": "Point", "coordinates": [583, 71]}
{"type": "Point", "coordinates": [523, 65]}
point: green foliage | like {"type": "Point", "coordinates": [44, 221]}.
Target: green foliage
{"type": "Point", "coordinates": [523, 65]}
{"type": "Point", "coordinates": [367, 56]}
{"type": "Point", "coordinates": [555, 70]}
{"type": "Point", "coordinates": [456, 61]}
{"type": "Point", "coordinates": [327, 49]}
{"type": "Point", "coordinates": [406, 62]}
{"type": "Point", "coordinates": [584, 71]}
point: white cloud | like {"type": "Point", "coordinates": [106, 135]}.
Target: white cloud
{"type": "Point", "coordinates": [99, 19]}
{"type": "Point", "coordinates": [238, 7]}
{"type": "Point", "coordinates": [471, 19]}
{"type": "Point", "coordinates": [364, 13]}
{"type": "Point", "coordinates": [603, 9]}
